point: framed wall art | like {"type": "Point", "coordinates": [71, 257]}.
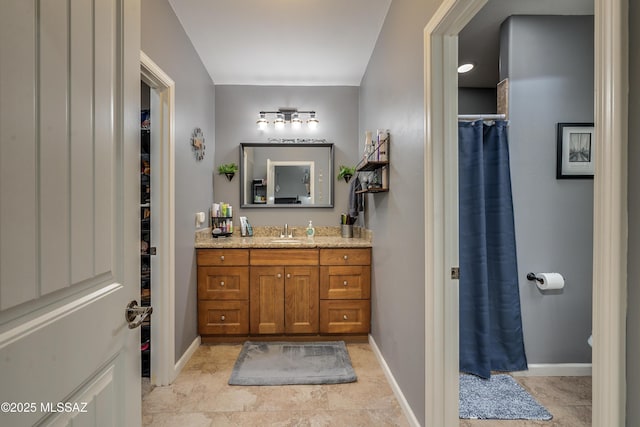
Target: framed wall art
{"type": "Point", "coordinates": [576, 151]}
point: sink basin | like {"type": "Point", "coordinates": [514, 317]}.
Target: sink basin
{"type": "Point", "coordinates": [286, 241]}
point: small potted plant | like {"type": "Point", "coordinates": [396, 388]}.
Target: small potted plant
{"type": "Point", "coordinates": [229, 170]}
{"type": "Point", "coordinates": [346, 172]}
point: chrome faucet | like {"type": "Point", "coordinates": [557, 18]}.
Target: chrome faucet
{"type": "Point", "coordinates": [285, 232]}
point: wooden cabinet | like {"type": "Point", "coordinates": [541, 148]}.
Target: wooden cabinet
{"type": "Point", "coordinates": [284, 298]}
{"type": "Point", "coordinates": [223, 291]}
{"type": "Point", "coordinates": [283, 292]}
{"type": "Point", "coordinates": [345, 291]}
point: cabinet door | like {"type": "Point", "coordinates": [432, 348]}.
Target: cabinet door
{"type": "Point", "coordinates": [345, 316]}
{"type": "Point", "coordinates": [345, 256]}
{"type": "Point", "coordinates": [266, 300]}
{"type": "Point", "coordinates": [345, 282]}
{"type": "Point", "coordinates": [223, 283]}
{"type": "Point", "coordinates": [301, 300]}
{"type": "Point", "coordinates": [223, 257]}
{"type": "Point", "coordinates": [223, 317]}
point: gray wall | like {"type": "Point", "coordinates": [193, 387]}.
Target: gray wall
{"type": "Point", "coordinates": [550, 63]}
{"type": "Point", "coordinates": [237, 109]}
{"type": "Point", "coordinates": [473, 100]}
{"type": "Point", "coordinates": [633, 278]}
{"type": "Point", "coordinates": [166, 43]}
{"type": "Point", "coordinates": [392, 97]}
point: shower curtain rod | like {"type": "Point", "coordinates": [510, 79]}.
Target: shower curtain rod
{"type": "Point", "coordinates": [482, 116]}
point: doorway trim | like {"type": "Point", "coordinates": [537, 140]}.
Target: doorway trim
{"type": "Point", "coordinates": [441, 211]}
{"type": "Point", "coordinates": [163, 370]}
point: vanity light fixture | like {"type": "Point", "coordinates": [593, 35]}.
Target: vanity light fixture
{"type": "Point", "coordinates": [287, 116]}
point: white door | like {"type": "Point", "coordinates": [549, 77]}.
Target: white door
{"type": "Point", "coordinates": [69, 228]}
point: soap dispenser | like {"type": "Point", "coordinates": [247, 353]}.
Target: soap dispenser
{"type": "Point", "coordinates": [310, 231]}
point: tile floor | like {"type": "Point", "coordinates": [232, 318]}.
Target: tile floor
{"type": "Point", "coordinates": [200, 396]}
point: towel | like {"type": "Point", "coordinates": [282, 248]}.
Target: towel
{"type": "Point", "coordinates": [356, 201]}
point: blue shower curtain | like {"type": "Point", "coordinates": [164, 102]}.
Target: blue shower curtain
{"type": "Point", "coordinates": [490, 319]}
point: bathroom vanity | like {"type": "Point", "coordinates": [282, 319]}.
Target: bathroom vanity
{"type": "Point", "coordinates": [267, 288]}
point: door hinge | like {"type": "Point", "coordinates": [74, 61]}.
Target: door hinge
{"type": "Point", "coordinates": [153, 250]}
{"type": "Point", "coordinates": [455, 273]}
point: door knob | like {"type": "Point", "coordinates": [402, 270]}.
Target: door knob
{"type": "Point", "coordinates": [135, 314]}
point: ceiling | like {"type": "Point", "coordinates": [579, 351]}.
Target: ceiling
{"type": "Point", "coordinates": [283, 42]}
{"type": "Point", "coordinates": [479, 43]}
{"type": "Point", "coordinates": [329, 42]}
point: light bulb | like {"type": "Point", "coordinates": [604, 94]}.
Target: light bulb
{"type": "Point", "coordinates": [312, 122]}
{"type": "Point", "coordinates": [296, 123]}
{"type": "Point", "coordinates": [262, 122]}
{"type": "Point", "coordinates": [279, 121]}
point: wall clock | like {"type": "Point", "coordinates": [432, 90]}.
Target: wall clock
{"type": "Point", "coordinates": [197, 141]}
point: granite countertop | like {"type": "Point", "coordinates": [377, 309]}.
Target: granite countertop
{"type": "Point", "coordinates": [267, 237]}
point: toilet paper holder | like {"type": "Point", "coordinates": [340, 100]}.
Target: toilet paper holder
{"type": "Point", "coordinates": [533, 276]}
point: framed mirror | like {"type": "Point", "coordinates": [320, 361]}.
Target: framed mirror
{"type": "Point", "coordinates": [286, 175]}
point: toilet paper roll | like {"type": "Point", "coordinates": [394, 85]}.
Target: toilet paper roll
{"type": "Point", "coordinates": [550, 281]}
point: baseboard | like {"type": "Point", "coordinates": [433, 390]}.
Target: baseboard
{"type": "Point", "coordinates": [413, 421]}
{"type": "Point", "coordinates": [556, 370]}
{"type": "Point", "coordinates": [185, 357]}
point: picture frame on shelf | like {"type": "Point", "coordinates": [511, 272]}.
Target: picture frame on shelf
{"type": "Point", "coordinates": [575, 151]}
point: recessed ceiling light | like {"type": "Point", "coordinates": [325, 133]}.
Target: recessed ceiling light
{"type": "Point", "coordinates": [465, 68]}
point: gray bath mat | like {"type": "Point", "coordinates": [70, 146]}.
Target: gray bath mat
{"type": "Point", "coordinates": [280, 363]}
{"type": "Point", "coordinates": [498, 398]}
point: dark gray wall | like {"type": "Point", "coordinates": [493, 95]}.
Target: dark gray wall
{"type": "Point", "coordinates": [473, 100]}
{"type": "Point", "coordinates": [237, 109]}
{"type": "Point", "coordinates": [392, 97]}
{"type": "Point", "coordinates": [166, 43]}
{"type": "Point", "coordinates": [633, 278]}
{"type": "Point", "coordinates": [550, 63]}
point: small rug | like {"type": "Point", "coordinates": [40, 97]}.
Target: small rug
{"type": "Point", "coordinates": [283, 363]}
{"type": "Point", "coordinates": [498, 398]}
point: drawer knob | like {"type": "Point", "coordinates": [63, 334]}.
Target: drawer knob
{"type": "Point", "coordinates": [346, 257]}
{"type": "Point", "coordinates": [221, 257]}
{"type": "Point", "coordinates": [221, 283]}
{"type": "Point", "coordinates": [345, 317]}
{"type": "Point", "coordinates": [345, 283]}
{"type": "Point", "coordinates": [288, 276]}
{"type": "Point", "coordinates": [279, 275]}
{"type": "Point", "coordinates": [222, 317]}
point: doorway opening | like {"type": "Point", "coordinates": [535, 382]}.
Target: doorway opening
{"type": "Point", "coordinates": [147, 251]}
{"type": "Point", "coordinates": [524, 58]}
{"type": "Point", "coordinates": [441, 212]}
{"type": "Point", "coordinates": [162, 220]}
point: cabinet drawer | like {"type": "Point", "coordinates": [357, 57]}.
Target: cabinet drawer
{"type": "Point", "coordinates": [345, 282]}
{"type": "Point", "coordinates": [344, 316]}
{"type": "Point", "coordinates": [223, 283]}
{"type": "Point", "coordinates": [284, 257]}
{"type": "Point", "coordinates": [345, 256]}
{"type": "Point", "coordinates": [223, 257]}
{"type": "Point", "coordinates": [223, 317]}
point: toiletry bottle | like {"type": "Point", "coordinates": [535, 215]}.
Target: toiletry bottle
{"type": "Point", "coordinates": [310, 231]}
{"type": "Point", "coordinates": [368, 141]}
